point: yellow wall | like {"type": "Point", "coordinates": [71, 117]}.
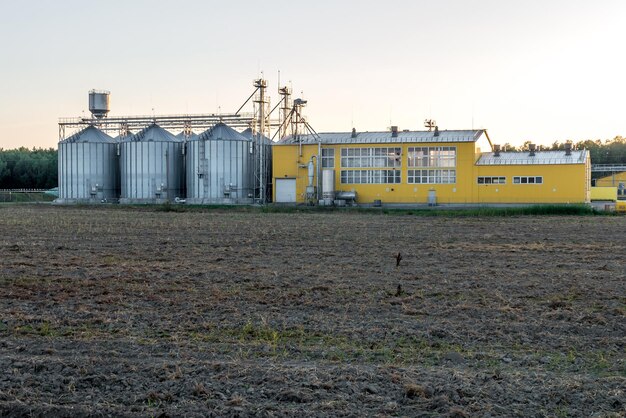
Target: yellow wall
{"type": "Point", "coordinates": [561, 183]}
{"type": "Point", "coordinates": [611, 181]}
{"type": "Point", "coordinates": [604, 193]}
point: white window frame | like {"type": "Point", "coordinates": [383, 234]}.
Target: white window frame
{"type": "Point", "coordinates": [431, 157]}
{"type": "Point", "coordinates": [431, 176]}
{"type": "Point", "coordinates": [389, 176]}
{"type": "Point", "coordinates": [328, 158]}
{"type": "Point", "coordinates": [374, 157]}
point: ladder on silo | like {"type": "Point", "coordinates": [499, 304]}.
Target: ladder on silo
{"type": "Point", "coordinates": [202, 169]}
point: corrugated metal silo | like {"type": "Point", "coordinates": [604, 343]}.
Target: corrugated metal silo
{"type": "Point", "coordinates": [151, 165]}
{"type": "Point", "coordinates": [220, 167]}
{"type": "Point", "coordinates": [88, 168]}
{"type": "Point", "coordinates": [261, 141]}
{"type": "Point", "coordinates": [189, 137]}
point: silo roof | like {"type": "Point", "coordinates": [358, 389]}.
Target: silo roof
{"type": "Point", "coordinates": [154, 133]}
{"type": "Point", "coordinates": [90, 134]}
{"type": "Point", "coordinates": [120, 138]}
{"type": "Point", "coordinates": [191, 137]}
{"type": "Point", "coordinates": [248, 134]}
{"type": "Point", "coordinates": [223, 132]}
{"type": "Point", "coordinates": [540, 158]}
{"type": "Point", "coordinates": [385, 137]}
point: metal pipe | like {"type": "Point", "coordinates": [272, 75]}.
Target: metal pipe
{"type": "Point", "coordinates": [247, 100]}
{"type": "Point", "coordinates": [319, 168]}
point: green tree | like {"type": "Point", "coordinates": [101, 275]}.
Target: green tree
{"type": "Point", "coordinates": [28, 169]}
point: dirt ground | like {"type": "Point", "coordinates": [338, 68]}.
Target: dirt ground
{"type": "Point", "coordinates": [137, 312]}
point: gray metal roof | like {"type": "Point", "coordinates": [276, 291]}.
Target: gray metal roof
{"type": "Point", "coordinates": [191, 137]}
{"type": "Point", "coordinates": [248, 134]}
{"type": "Point", "coordinates": [90, 134]}
{"type": "Point", "coordinates": [120, 138]}
{"type": "Point", "coordinates": [385, 137]}
{"type": "Point", "coordinates": [540, 157]}
{"type": "Point", "coordinates": [223, 132]}
{"type": "Point", "coordinates": [153, 133]}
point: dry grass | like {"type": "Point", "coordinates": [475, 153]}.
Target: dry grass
{"type": "Point", "coordinates": [294, 313]}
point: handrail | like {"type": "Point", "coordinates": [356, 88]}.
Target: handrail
{"type": "Point", "coordinates": [608, 167]}
{"type": "Point", "coordinates": [23, 190]}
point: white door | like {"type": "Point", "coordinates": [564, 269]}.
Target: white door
{"type": "Point", "coordinates": [285, 190]}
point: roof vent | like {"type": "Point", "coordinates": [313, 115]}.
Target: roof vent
{"type": "Point", "coordinates": [568, 148]}
{"type": "Point", "coordinates": [394, 131]}
{"type": "Point", "coordinates": [532, 148]}
{"type": "Point", "coordinates": [353, 133]}
{"type": "Point", "coordinates": [496, 150]}
{"type": "Point", "coordinates": [436, 131]}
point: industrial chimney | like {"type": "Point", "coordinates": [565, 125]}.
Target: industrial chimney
{"type": "Point", "coordinates": [568, 148]}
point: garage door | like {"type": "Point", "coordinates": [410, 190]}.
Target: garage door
{"type": "Point", "coordinates": [285, 190]}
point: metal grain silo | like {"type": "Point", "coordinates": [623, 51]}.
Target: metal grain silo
{"type": "Point", "coordinates": [151, 166]}
{"type": "Point", "coordinates": [262, 146]}
{"type": "Point", "coordinates": [187, 137]}
{"type": "Point", "coordinates": [220, 167]}
{"type": "Point", "coordinates": [88, 169]}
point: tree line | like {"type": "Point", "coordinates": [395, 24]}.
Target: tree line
{"type": "Point", "coordinates": [610, 151]}
{"type": "Point", "coordinates": [36, 168]}
{"type": "Point", "coordinates": [24, 168]}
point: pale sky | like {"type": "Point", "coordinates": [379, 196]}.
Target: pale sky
{"type": "Point", "coordinates": [533, 70]}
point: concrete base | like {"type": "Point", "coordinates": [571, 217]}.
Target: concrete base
{"type": "Point", "coordinates": [213, 201]}
{"type": "Point", "coordinates": [60, 201]}
{"type": "Point", "coordinates": [128, 201]}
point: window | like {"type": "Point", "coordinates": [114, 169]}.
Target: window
{"type": "Point", "coordinates": [370, 176]}
{"type": "Point", "coordinates": [435, 162]}
{"type": "Point", "coordinates": [491, 180]}
{"type": "Point", "coordinates": [435, 157]}
{"type": "Point", "coordinates": [431, 176]}
{"type": "Point", "coordinates": [528, 180]}
{"type": "Point", "coordinates": [371, 157]}
{"type": "Point", "coordinates": [328, 157]}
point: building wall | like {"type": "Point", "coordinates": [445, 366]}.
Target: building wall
{"type": "Point", "coordinates": [613, 180]}
{"type": "Point", "coordinates": [561, 183]}
{"type": "Point", "coordinates": [604, 193]}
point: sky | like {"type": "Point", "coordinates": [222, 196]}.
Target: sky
{"type": "Point", "coordinates": [543, 71]}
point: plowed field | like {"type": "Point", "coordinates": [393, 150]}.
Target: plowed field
{"type": "Point", "coordinates": [136, 312]}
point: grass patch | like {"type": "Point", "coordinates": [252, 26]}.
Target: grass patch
{"type": "Point", "coordinates": [6, 197]}
{"type": "Point", "coordinates": [484, 211]}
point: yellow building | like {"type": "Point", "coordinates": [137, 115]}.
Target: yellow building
{"type": "Point", "coordinates": [446, 167]}
{"type": "Point", "coordinates": [614, 180]}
